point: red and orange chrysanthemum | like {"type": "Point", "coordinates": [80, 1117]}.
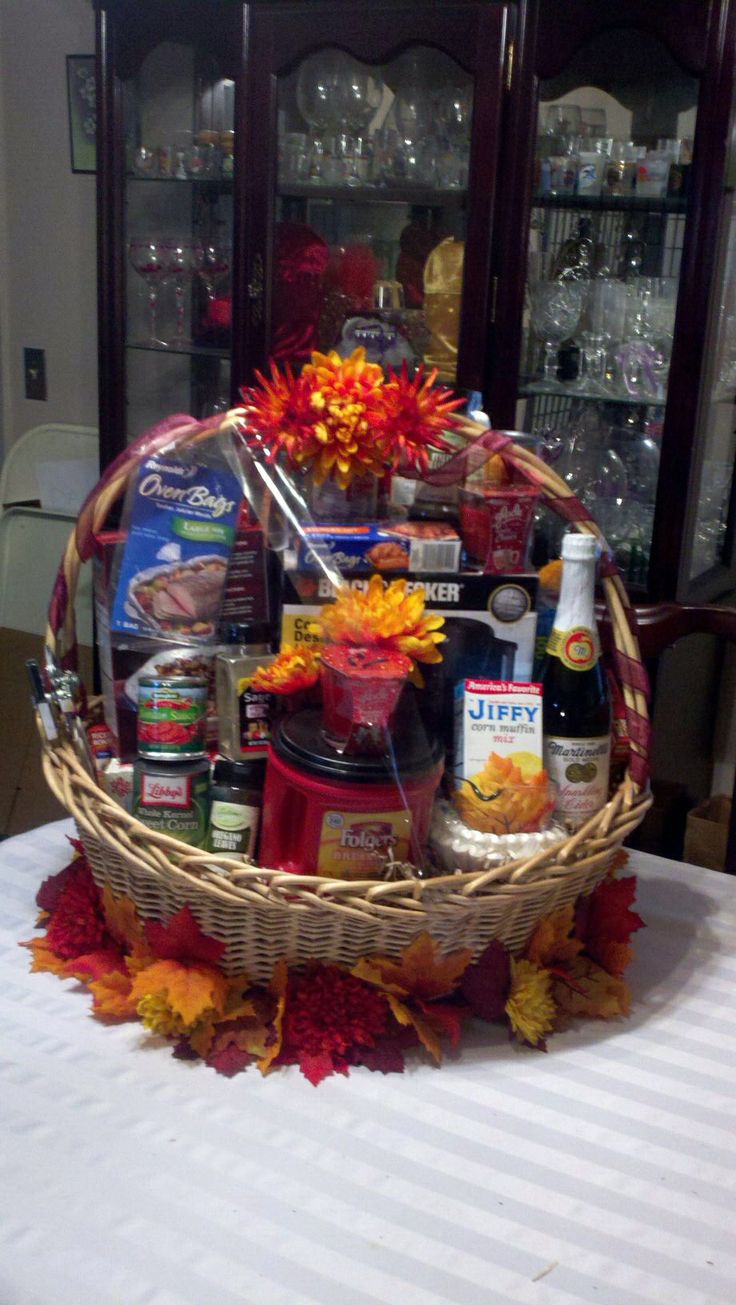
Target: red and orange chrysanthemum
{"type": "Point", "coordinates": [341, 418]}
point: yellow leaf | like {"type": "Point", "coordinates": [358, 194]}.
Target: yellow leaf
{"type": "Point", "coordinates": [123, 923]}
{"type": "Point", "coordinates": [530, 1005]}
{"type": "Point", "coordinates": [112, 997]}
{"type": "Point", "coordinates": [190, 990]}
{"type": "Point", "coordinates": [605, 997]}
{"type": "Point", "coordinates": [425, 1032]}
{"type": "Point", "coordinates": [201, 1037]}
{"type": "Point", "coordinates": [420, 971]}
{"type": "Point", "coordinates": [550, 943]}
{"type": "Point", "coordinates": [277, 988]}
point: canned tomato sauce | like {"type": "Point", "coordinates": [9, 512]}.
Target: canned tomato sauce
{"type": "Point", "coordinates": [173, 799]}
{"type": "Point", "coordinates": [172, 717]}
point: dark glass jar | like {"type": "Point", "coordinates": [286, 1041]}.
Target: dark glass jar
{"type": "Point", "coordinates": [236, 801]}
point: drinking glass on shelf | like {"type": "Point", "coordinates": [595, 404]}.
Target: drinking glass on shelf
{"type": "Point", "coordinates": [149, 260]}
{"type": "Point", "coordinates": [360, 93]}
{"type": "Point", "coordinates": [319, 90]}
{"type": "Point", "coordinates": [213, 268]}
{"type": "Point", "coordinates": [182, 259]}
{"type": "Point", "coordinates": [562, 120]}
{"type": "Point", "coordinates": [607, 320]}
{"type": "Point", "coordinates": [555, 312]}
{"type": "Point", "coordinates": [593, 123]}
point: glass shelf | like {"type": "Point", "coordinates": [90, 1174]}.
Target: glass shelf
{"type": "Point", "coordinates": [530, 389]}
{"type": "Point", "coordinates": [222, 183]}
{"type": "Point", "coordinates": [613, 203]}
{"type": "Point", "coordinates": [424, 196]}
{"type": "Point", "coordinates": [177, 350]}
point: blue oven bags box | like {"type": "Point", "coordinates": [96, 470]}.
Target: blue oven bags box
{"type": "Point", "coordinates": [182, 516]}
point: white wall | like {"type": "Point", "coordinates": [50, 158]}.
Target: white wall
{"type": "Point", "coordinates": [47, 218]}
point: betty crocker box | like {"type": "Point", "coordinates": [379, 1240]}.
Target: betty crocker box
{"type": "Point", "coordinates": [490, 620]}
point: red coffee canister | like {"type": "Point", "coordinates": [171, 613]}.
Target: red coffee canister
{"type": "Point", "coordinates": [341, 814]}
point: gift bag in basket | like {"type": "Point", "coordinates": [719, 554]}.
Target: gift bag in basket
{"type": "Point", "coordinates": [260, 917]}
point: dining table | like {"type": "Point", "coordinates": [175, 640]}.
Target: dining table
{"type": "Point", "coordinates": [602, 1171]}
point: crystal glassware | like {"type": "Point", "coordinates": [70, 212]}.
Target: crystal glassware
{"type": "Point", "coordinates": [556, 308]}
{"type": "Point", "coordinates": [182, 258]}
{"type": "Point", "coordinates": [148, 258]}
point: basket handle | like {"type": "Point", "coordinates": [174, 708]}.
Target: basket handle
{"type": "Point", "coordinates": [181, 430]}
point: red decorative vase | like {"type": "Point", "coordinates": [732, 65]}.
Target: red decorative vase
{"type": "Point", "coordinates": [360, 692]}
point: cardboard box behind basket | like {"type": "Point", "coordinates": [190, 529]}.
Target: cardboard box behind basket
{"type": "Point", "coordinates": [706, 834]}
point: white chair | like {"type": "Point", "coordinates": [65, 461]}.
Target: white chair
{"type": "Point", "coordinates": [33, 538]}
{"type": "Point", "coordinates": [46, 447]}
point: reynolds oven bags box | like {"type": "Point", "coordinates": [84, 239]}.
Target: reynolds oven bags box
{"type": "Point", "coordinates": [181, 513]}
{"type": "Point", "coordinates": [490, 627]}
{"type": "Point", "coordinates": [124, 658]}
{"type": "Point", "coordinates": [381, 546]}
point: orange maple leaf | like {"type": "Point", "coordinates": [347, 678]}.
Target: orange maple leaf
{"type": "Point", "coordinates": [277, 987]}
{"type": "Point", "coordinates": [420, 971]}
{"type": "Point", "coordinates": [121, 918]}
{"type": "Point", "coordinates": [190, 990]}
{"type": "Point", "coordinates": [604, 996]}
{"type": "Point", "coordinates": [550, 944]}
{"type": "Point", "coordinates": [44, 959]}
{"type": "Point", "coordinates": [111, 997]}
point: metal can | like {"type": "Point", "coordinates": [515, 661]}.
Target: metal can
{"type": "Point", "coordinates": [173, 799]}
{"type": "Point", "coordinates": [172, 717]}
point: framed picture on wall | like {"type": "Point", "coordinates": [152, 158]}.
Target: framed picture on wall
{"type": "Point", "coordinates": [81, 96]}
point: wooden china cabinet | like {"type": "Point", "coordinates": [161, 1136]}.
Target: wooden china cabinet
{"type": "Point", "coordinates": [277, 177]}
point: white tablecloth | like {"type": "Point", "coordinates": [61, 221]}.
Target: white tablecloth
{"type": "Point", "coordinates": [601, 1172]}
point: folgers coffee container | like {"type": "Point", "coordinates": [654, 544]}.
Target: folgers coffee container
{"type": "Point", "coordinates": [173, 798]}
{"type": "Point", "coordinates": [172, 717]}
{"type": "Point", "coordinates": [340, 815]}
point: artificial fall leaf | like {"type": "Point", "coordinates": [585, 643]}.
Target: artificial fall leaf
{"type": "Point", "coordinates": [45, 961]}
{"type": "Point", "coordinates": [444, 1019]}
{"type": "Point", "coordinates": [551, 944]}
{"type": "Point", "coordinates": [229, 1060]}
{"type": "Point", "coordinates": [388, 1055]}
{"type": "Point", "coordinates": [48, 895]}
{"type": "Point", "coordinates": [247, 1037]}
{"type": "Point", "coordinates": [123, 924]}
{"type": "Point", "coordinates": [605, 996]}
{"type": "Point", "coordinates": [111, 997]}
{"type": "Point", "coordinates": [277, 988]}
{"type": "Point", "coordinates": [96, 965]}
{"type": "Point", "coordinates": [425, 1032]}
{"type": "Point", "coordinates": [485, 984]}
{"type": "Point", "coordinates": [616, 957]}
{"type": "Point", "coordinates": [315, 1068]}
{"type": "Point", "coordinates": [420, 971]}
{"type": "Point", "coordinates": [182, 939]}
{"type": "Point", "coordinates": [189, 990]}
{"type": "Point", "coordinates": [606, 917]}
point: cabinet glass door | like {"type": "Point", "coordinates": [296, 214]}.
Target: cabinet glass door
{"type": "Point", "coordinates": [609, 208]}
{"type": "Point", "coordinates": [371, 208]}
{"type": "Point", "coordinates": [178, 230]}
{"type": "Point", "coordinates": [710, 553]}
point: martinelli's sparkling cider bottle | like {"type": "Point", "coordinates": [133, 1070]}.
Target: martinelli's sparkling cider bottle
{"type": "Point", "coordinates": [577, 710]}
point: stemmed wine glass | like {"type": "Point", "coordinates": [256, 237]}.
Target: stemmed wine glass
{"type": "Point", "coordinates": [556, 307]}
{"type": "Point", "coordinates": [319, 98]}
{"type": "Point", "coordinates": [148, 259]}
{"type": "Point", "coordinates": [214, 265]}
{"type": "Point", "coordinates": [182, 259]}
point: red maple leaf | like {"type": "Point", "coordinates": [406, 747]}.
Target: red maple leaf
{"type": "Point", "coordinates": [96, 965]}
{"type": "Point", "coordinates": [182, 939]}
{"type": "Point", "coordinates": [485, 984]}
{"type": "Point", "coordinates": [446, 1020]}
{"type": "Point", "coordinates": [316, 1068]}
{"type": "Point", "coordinates": [47, 897]}
{"type": "Point", "coordinates": [388, 1054]}
{"type": "Point", "coordinates": [230, 1060]}
{"type": "Point", "coordinates": [605, 918]}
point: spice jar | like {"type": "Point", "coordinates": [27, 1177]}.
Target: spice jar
{"type": "Point", "coordinates": [244, 715]}
{"type": "Point", "coordinates": [236, 801]}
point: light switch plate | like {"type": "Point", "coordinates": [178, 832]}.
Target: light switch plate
{"type": "Point", "coordinates": [34, 368]}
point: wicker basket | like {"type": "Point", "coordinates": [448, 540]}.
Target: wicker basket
{"type": "Point", "coordinates": [261, 914]}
